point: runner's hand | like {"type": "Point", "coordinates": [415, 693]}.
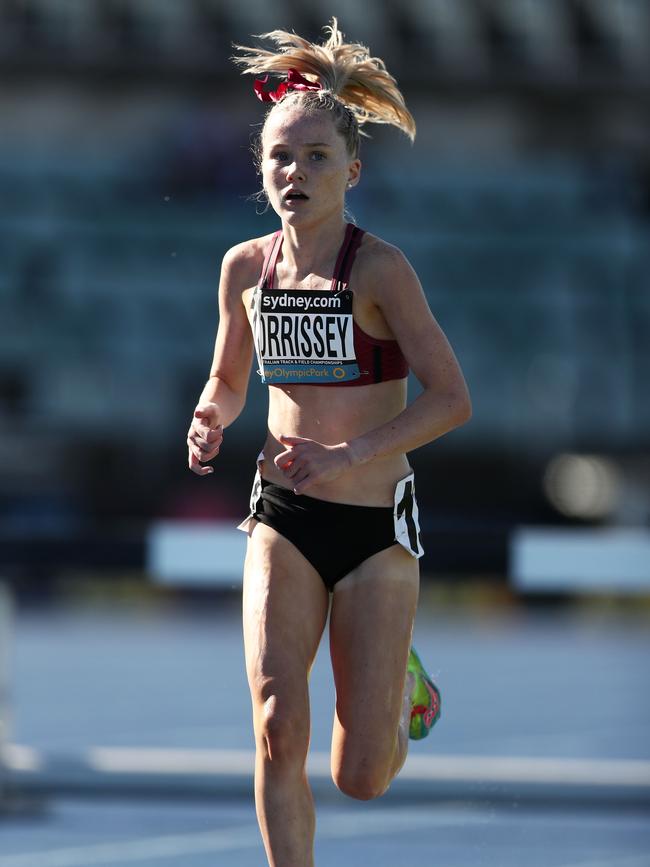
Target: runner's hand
{"type": "Point", "coordinates": [305, 462]}
{"type": "Point", "coordinates": [204, 437]}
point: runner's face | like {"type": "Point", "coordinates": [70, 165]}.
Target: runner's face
{"type": "Point", "coordinates": [305, 165]}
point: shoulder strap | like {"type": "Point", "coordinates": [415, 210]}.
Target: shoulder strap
{"type": "Point", "coordinates": [267, 274]}
{"type": "Point", "coordinates": [342, 268]}
{"type": "Point", "coordinates": [348, 251]}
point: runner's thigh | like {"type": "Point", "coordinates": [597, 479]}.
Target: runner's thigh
{"type": "Point", "coordinates": [285, 607]}
{"type": "Point", "coordinates": [371, 624]}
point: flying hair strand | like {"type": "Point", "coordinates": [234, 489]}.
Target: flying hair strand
{"type": "Point", "coordinates": [345, 70]}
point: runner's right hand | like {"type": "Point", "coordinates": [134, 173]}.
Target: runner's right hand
{"type": "Point", "coordinates": [204, 437]}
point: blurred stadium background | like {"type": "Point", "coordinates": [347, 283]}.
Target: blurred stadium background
{"type": "Point", "coordinates": [524, 205]}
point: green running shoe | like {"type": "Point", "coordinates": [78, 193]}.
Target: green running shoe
{"type": "Point", "coordinates": [425, 700]}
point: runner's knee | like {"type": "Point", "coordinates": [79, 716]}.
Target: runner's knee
{"type": "Point", "coordinates": [361, 783]}
{"type": "Point", "coordinates": [283, 731]}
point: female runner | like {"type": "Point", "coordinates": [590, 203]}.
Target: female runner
{"type": "Point", "coordinates": [336, 317]}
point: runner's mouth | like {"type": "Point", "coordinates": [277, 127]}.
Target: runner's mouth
{"type": "Point", "coordinates": [295, 195]}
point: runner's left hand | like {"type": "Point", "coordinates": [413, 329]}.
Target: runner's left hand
{"type": "Point", "coordinates": [305, 462]}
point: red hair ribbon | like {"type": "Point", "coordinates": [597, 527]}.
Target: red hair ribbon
{"type": "Point", "coordinates": [295, 81]}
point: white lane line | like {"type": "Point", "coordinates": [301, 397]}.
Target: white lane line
{"type": "Point", "coordinates": [340, 825]}
{"type": "Point", "coordinates": [172, 761]}
{"type": "Point", "coordinates": [560, 771]}
{"type": "Point", "coordinates": [355, 824]}
{"type": "Point", "coordinates": [625, 861]}
{"type": "Point", "coordinates": [145, 849]}
{"type": "Point", "coordinates": [435, 768]}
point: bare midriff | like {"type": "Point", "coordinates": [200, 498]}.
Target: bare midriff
{"type": "Point", "coordinates": [331, 415]}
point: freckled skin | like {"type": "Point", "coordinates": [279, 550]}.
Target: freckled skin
{"type": "Point", "coordinates": [325, 414]}
{"type": "Point", "coordinates": [347, 445]}
{"type": "Point", "coordinates": [323, 173]}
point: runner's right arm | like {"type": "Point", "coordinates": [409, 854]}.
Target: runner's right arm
{"type": "Point", "coordinates": [224, 395]}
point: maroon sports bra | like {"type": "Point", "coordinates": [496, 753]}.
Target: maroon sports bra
{"type": "Point", "coordinates": [309, 336]}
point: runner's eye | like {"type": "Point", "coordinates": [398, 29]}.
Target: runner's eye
{"type": "Point", "coordinates": [280, 156]}
{"type": "Point", "coordinates": [318, 155]}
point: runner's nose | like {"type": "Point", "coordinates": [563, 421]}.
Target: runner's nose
{"type": "Point", "coordinates": [295, 172]}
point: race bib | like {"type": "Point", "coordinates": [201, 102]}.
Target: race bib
{"type": "Point", "coordinates": [304, 336]}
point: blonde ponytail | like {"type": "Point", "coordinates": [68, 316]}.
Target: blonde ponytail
{"type": "Point", "coordinates": [345, 71]}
